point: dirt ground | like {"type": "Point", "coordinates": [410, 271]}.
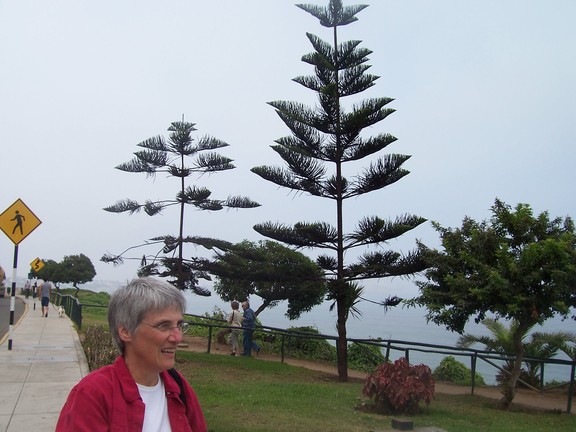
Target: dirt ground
{"type": "Point", "coordinates": [548, 401]}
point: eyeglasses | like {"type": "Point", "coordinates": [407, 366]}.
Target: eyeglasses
{"type": "Point", "coordinates": [167, 328]}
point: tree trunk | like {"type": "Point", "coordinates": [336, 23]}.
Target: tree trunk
{"type": "Point", "coordinates": [509, 388]}
{"type": "Point", "coordinates": [342, 343]}
{"type": "Point", "coordinates": [263, 306]}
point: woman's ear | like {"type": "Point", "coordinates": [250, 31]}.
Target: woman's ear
{"type": "Point", "coordinates": [125, 335]}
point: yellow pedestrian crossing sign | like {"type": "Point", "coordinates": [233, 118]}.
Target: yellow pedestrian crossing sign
{"type": "Point", "coordinates": [17, 221]}
{"type": "Point", "coordinates": [37, 265]}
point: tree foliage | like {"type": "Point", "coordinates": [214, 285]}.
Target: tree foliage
{"type": "Point", "coordinates": [323, 140]}
{"type": "Point", "coordinates": [563, 341]}
{"type": "Point", "coordinates": [517, 266]}
{"type": "Point", "coordinates": [74, 269]}
{"type": "Point", "coordinates": [180, 156]}
{"type": "Point", "coordinates": [50, 272]}
{"type": "Point", "coordinates": [271, 271]}
{"type": "Point", "coordinates": [77, 270]}
{"type": "Point", "coordinates": [539, 345]}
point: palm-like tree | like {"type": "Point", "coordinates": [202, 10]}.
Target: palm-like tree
{"type": "Point", "coordinates": [171, 157]}
{"type": "Point", "coordinates": [540, 345]}
{"type": "Point", "coordinates": [564, 341]}
{"type": "Point", "coordinates": [324, 139]}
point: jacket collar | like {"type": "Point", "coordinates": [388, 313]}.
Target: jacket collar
{"type": "Point", "coordinates": [129, 387]}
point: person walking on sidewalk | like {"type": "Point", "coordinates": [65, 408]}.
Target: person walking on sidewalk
{"type": "Point", "coordinates": [141, 390]}
{"type": "Point", "coordinates": [248, 325]}
{"type": "Point", "coordinates": [45, 292]}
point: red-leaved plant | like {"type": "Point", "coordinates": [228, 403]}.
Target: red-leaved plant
{"type": "Point", "coordinates": [398, 388]}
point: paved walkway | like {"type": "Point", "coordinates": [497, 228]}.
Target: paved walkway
{"type": "Point", "coordinates": [45, 362]}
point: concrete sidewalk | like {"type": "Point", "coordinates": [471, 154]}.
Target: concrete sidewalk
{"type": "Point", "coordinates": [45, 362]}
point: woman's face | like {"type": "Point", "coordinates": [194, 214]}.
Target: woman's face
{"type": "Point", "coordinates": [151, 348]}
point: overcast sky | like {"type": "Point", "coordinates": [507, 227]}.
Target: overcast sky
{"type": "Point", "coordinates": [484, 97]}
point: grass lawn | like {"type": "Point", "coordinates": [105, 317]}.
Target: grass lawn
{"type": "Point", "coordinates": [247, 394]}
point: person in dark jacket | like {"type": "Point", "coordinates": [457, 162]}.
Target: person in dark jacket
{"type": "Point", "coordinates": [248, 327]}
{"type": "Point", "coordinates": [141, 390]}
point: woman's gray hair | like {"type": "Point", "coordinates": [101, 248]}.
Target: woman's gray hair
{"type": "Point", "coordinates": [129, 304]}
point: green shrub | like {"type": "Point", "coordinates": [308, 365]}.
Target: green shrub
{"type": "Point", "coordinates": [453, 371]}
{"type": "Point", "coordinates": [312, 348]}
{"type": "Point", "coordinates": [99, 348]}
{"type": "Point", "coordinates": [364, 357]}
{"type": "Point", "coordinates": [398, 388]}
{"type": "Point", "coordinates": [217, 313]}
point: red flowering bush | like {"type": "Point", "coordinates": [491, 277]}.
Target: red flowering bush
{"type": "Point", "coordinates": [398, 388]}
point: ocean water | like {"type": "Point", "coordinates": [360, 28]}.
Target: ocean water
{"type": "Point", "coordinates": [405, 324]}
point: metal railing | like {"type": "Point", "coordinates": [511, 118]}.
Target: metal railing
{"type": "Point", "coordinates": [72, 307]}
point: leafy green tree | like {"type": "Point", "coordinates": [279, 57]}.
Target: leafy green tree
{"type": "Point", "coordinates": [170, 157]}
{"type": "Point", "coordinates": [324, 140]}
{"type": "Point", "coordinates": [50, 272]}
{"type": "Point", "coordinates": [77, 270]}
{"type": "Point", "coordinates": [74, 269]}
{"type": "Point", "coordinates": [518, 267]}
{"type": "Point", "coordinates": [271, 271]}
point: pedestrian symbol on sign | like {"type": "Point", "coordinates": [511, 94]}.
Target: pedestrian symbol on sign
{"type": "Point", "coordinates": [19, 220]}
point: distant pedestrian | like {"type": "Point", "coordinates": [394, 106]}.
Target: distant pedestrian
{"type": "Point", "coordinates": [45, 292]}
{"type": "Point", "coordinates": [248, 326]}
{"type": "Point", "coordinates": [235, 320]}
{"type": "Point", "coordinates": [141, 390]}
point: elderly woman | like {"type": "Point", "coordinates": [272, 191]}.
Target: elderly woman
{"type": "Point", "coordinates": [140, 391]}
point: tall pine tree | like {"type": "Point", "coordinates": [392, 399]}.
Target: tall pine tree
{"type": "Point", "coordinates": [323, 139]}
{"type": "Point", "coordinates": [180, 156]}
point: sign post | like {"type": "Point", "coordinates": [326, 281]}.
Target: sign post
{"type": "Point", "coordinates": [36, 266]}
{"type": "Point", "coordinates": [17, 221]}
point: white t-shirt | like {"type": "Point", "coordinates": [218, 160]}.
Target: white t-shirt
{"type": "Point", "coordinates": [156, 412]}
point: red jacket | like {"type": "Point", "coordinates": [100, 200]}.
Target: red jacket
{"type": "Point", "coordinates": [108, 400]}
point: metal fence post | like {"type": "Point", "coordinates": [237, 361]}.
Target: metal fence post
{"type": "Point", "coordinates": [571, 388]}
{"type": "Point", "coordinates": [473, 371]}
{"type": "Point", "coordinates": [209, 338]}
